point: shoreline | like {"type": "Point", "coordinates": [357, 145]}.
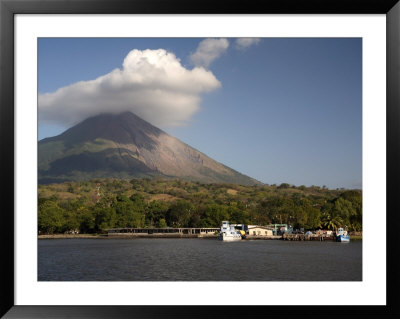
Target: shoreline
{"type": "Point", "coordinates": [106, 236]}
{"type": "Point", "coordinates": [64, 236]}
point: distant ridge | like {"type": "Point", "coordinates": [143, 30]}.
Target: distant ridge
{"type": "Point", "coordinates": [126, 146]}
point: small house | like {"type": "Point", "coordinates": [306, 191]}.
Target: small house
{"type": "Point", "coordinates": [259, 231]}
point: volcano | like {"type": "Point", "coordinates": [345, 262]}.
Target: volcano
{"type": "Point", "coordinates": [125, 146]}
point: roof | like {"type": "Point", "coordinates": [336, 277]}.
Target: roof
{"type": "Point", "coordinates": [263, 227]}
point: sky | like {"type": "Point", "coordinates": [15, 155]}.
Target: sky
{"type": "Point", "coordinates": [280, 110]}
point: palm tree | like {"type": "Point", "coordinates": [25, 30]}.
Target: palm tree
{"type": "Point", "coordinates": [325, 219]}
{"type": "Point", "coordinates": [335, 222]}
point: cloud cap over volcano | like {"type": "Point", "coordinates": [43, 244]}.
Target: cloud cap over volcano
{"type": "Point", "coordinates": [151, 83]}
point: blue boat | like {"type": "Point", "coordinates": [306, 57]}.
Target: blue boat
{"type": "Point", "coordinates": [342, 236]}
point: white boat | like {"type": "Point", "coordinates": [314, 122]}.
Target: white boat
{"type": "Point", "coordinates": [342, 236]}
{"type": "Point", "coordinates": [229, 233]}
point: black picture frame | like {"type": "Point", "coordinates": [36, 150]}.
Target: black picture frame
{"type": "Point", "coordinates": [8, 9]}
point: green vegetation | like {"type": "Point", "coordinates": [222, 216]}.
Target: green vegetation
{"type": "Point", "coordinates": [176, 203]}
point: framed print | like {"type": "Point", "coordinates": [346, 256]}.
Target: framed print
{"type": "Point", "coordinates": [106, 110]}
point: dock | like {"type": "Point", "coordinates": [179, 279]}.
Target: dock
{"type": "Point", "coordinates": [247, 237]}
{"type": "Point", "coordinates": [301, 237]}
{"type": "Point", "coordinates": [164, 232]}
{"type": "Point", "coordinates": [206, 233]}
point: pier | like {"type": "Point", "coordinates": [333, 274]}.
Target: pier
{"type": "Point", "coordinates": [164, 232]}
{"type": "Point", "coordinates": [298, 237]}
{"type": "Point", "coordinates": [207, 233]}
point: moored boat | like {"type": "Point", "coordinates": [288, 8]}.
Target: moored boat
{"type": "Point", "coordinates": [342, 236]}
{"type": "Point", "coordinates": [229, 233]}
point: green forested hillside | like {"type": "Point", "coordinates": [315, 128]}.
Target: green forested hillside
{"type": "Point", "coordinates": [176, 203]}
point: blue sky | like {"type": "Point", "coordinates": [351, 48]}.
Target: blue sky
{"type": "Point", "coordinates": [276, 109]}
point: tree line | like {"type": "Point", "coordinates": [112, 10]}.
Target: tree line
{"type": "Point", "coordinates": [149, 203]}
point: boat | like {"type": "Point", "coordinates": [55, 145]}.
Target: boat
{"type": "Point", "coordinates": [229, 233]}
{"type": "Point", "coordinates": [342, 236]}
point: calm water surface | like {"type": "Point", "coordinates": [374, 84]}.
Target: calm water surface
{"type": "Point", "coordinates": [197, 260]}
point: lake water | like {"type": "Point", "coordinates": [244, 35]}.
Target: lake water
{"type": "Point", "coordinates": [197, 260]}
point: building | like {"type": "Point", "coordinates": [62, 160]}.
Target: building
{"type": "Point", "coordinates": [259, 231]}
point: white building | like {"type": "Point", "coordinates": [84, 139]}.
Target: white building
{"type": "Point", "coordinates": [259, 231]}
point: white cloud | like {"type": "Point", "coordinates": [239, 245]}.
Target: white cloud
{"type": "Point", "coordinates": [243, 43]}
{"type": "Point", "coordinates": [209, 50]}
{"type": "Point", "coordinates": [152, 84]}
